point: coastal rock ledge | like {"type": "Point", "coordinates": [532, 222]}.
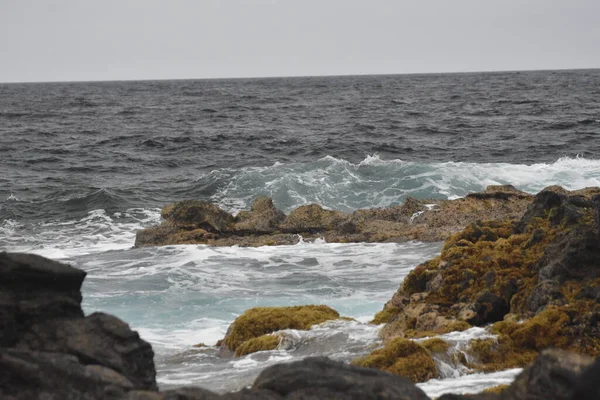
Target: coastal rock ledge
{"type": "Point", "coordinates": [429, 220]}
{"type": "Point", "coordinates": [50, 350]}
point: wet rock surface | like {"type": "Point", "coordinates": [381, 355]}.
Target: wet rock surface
{"type": "Point", "coordinates": [198, 222]}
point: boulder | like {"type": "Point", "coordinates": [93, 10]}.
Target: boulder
{"type": "Point", "coordinates": [194, 214]}
{"type": "Point", "coordinates": [260, 321]}
{"type": "Point", "coordinates": [35, 289]}
{"type": "Point", "coordinates": [48, 346]}
{"type": "Point", "coordinates": [321, 378]}
{"type": "Point", "coordinates": [262, 218]}
{"type": "Point", "coordinates": [99, 339]}
{"type": "Point", "coordinates": [552, 376]}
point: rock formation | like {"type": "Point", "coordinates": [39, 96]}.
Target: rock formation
{"type": "Point", "coordinates": [48, 349]}
{"type": "Point", "coordinates": [195, 221]}
{"type": "Point", "coordinates": [535, 279]}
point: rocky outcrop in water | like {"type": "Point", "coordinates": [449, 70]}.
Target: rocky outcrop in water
{"type": "Point", "coordinates": [199, 222]}
{"type": "Point", "coordinates": [535, 279]}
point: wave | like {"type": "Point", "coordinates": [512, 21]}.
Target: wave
{"type": "Point", "coordinates": [373, 182]}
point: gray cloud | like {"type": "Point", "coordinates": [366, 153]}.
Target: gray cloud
{"type": "Point", "coordinates": [47, 40]}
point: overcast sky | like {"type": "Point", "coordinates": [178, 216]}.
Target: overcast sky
{"type": "Point", "coordinates": [66, 40]}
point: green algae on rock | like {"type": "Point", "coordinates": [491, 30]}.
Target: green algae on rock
{"type": "Point", "coordinates": [543, 268]}
{"type": "Point", "coordinates": [402, 357]}
{"type": "Point", "coordinates": [260, 321]}
{"type": "Point", "coordinates": [261, 343]}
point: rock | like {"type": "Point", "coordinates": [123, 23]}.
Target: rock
{"type": "Point", "coordinates": [552, 376]}
{"type": "Point", "coordinates": [587, 384]}
{"type": "Point", "coordinates": [541, 205]}
{"type": "Point", "coordinates": [49, 347]}
{"type": "Point", "coordinates": [403, 357]}
{"type": "Point", "coordinates": [194, 221]}
{"type": "Point", "coordinates": [574, 255]}
{"type": "Point", "coordinates": [311, 219]}
{"type": "Point", "coordinates": [259, 321]}
{"type": "Point", "coordinates": [262, 218]}
{"type": "Point", "coordinates": [321, 378]}
{"type": "Point", "coordinates": [31, 375]}
{"type": "Point", "coordinates": [99, 339]}
{"type": "Point", "coordinates": [194, 214]}
{"type": "Point", "coordinates": [544, 293]}
{"type": "Point", "coordinates": [35, 289]}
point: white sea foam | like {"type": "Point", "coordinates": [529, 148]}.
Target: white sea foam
{"type": "Point", "coordinates": [338, 184]}
{"type": "Point", "coordinates": [97, 232]}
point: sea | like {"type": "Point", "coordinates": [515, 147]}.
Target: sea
{"type": "Point", "coordinates": [85, 165]}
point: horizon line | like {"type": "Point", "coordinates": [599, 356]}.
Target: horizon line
{"type": "Point", "coordinates": [306, 76]}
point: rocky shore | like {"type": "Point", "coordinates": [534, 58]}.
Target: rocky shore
{"type": "Point", "coordinates": [199, 222]}
{"type": "Point", "coordinates": [50, 350]}
{"type": "Point", "coordinates": [525, 268]}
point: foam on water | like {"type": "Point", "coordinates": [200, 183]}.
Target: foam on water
{"type": "Point", "coordinates": [95, 233]}
{"type": "Point", "coordinates": [178, 296]}
{"type": "Point", "coordinates": [339, 184]}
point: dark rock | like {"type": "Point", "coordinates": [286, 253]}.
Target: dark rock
{"type": "Point", "coordinates": [542, 203]}
{"type": "Point", "coordinates": [544, 293]}
{"type": "Point", "coordinates": [574, 255]}
{"type": "Point", "coordinates": [97, 339]}
{"type": "Point", "coordinates": [31, 375]}
{"type": "Point", "coordinates": [492, 308]}
{"type": "Point", "coordinates": [45, 338]}
{"type": "Point", "coordinates": [321, 378]}
{"type": "Point", "coordinates": [587, 385]}
{"type": "Point", "coordinates": [552, 376]}
{"type": "Point", "coordinates": [33, 288]}
{"type": "Point", "coordinates": [596, 202]}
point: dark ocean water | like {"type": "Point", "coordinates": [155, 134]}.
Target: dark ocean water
{"type": "Point", "coordinates": [84, 165]}
{"type": "Point", "coordinates": [148, 142]}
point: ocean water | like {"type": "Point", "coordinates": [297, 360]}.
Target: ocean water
{"type": "Point", "coordinates": [84, 165]}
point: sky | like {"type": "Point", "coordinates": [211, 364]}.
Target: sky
{"type": "Point", "coordinates": [83, 40]}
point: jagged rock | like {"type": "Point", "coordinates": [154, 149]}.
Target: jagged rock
{"type": "Point", "coordinates": [321, 378]}
{"type": "Point", "coordinates": [262, 218]}
{"type": "Point", "coordinates": [99, 339]}
{"type": "Point", "coordinates": [541, 205]}
{"type": "Point", "coordinates": [429, 220]}
{"type": "Point", "coordinates": [574, 255]}
{"type": "Point", "coordinates": [194, 214]}
{"type": "Point", "coordinates": [49, 348]}
{"type": "Point", "coordinates": [544, 293]}
{"type": "Point", "coordinates": [35, 289]}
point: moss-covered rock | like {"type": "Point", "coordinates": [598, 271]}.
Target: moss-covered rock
{"type": "Point", "coordinates": [260, 321]}
{"type": "Point", "coordinates": [261, 343]}
{"type": "Point", "coordinates": [402, 357]}
{"type": "Point", "coordinates": [542, 268]}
